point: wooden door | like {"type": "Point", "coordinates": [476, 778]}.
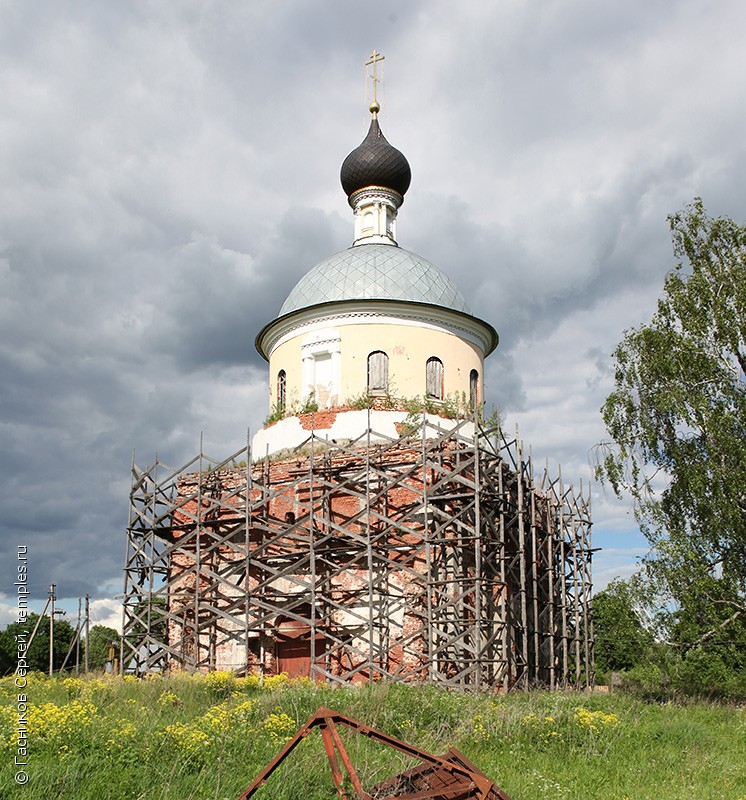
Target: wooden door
{"type": "Point", "coordinates": [294, 657]}
{"type": "Point", "coordinates": [293, 648]}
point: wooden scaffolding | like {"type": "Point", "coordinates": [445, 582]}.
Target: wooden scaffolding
{"type": "Point", "coordinates": [439, 557]}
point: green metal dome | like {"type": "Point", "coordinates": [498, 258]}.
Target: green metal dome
{"type": "Point", "coordinates": [375, 272]}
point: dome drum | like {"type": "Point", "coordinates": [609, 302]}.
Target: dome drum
{"type": "Point", "coordinates": [375, 209]}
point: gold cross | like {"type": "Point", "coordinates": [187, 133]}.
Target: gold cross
{"type": "Point", "coordinates": [374, 59]}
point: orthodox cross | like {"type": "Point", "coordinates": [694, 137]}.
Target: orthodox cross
{"type": "Point", "coordinates": [375, 58]}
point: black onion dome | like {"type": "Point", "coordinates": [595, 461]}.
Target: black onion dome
{"type": "Point", "coordinates": [375, 163]}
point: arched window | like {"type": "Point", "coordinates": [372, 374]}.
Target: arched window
{"type": "Point", "coordinates": [378, 372]}
{"type": "Point", "coordinates": [434, 378]}
{"type": "Point", "coordinates": [281, 386]}
{"type": "Point", "coordinates": [473, 390]}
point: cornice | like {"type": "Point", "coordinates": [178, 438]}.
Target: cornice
{"type": "Point", "coordinates": [461, 324]}
{"type": "Point", "coordinates": [375, 192]}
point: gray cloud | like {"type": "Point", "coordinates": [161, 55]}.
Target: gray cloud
{"type": "Point", "coordinates": [167, 175]}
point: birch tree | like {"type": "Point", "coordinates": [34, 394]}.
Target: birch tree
{"type": "Point", "coordinates": [677, 421]}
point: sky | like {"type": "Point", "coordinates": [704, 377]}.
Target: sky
{"type": "Point", "coordinates": [169, 171]}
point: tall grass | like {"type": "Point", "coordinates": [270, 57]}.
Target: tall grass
{"type": "Point", "coordinates": [206, 737]}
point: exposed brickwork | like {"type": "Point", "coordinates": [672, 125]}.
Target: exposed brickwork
{"type": "Point", "coordinates": [335, 512]}
{"type": "Point", "coordinates": [396, 561]}
{"type": "Point", "coordinates": [324, 418]}
{"type": "Point", "coordinates": [319, 420]}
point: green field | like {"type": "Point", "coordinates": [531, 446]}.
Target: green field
{"type": "Point", "coordinates": [206, 737]}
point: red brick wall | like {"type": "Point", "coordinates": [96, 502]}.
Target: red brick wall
{"type": "Point", "coordinates": [288, 479]}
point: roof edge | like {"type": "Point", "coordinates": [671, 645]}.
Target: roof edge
{"type": "Point", "coordinates": [264, 341]}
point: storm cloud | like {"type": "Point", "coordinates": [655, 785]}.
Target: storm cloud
{"type": "Point", "coordinates": [167, 173]}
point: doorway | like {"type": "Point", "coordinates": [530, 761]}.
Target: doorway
{"type": "Point", "coordinates": [293, 647]}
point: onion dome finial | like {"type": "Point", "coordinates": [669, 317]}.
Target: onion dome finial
{"type": "Point", "coordinates": [375, 163]}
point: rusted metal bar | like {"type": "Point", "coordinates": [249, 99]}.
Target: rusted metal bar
{"type": "Point", "coordinates": [329, 718]}
{"type": "Point", "coordinates": [447, 777]}
{"type": "Point", "coordinates": [332, 756]}
{"type": "Point", "coordinates": [262, 777]}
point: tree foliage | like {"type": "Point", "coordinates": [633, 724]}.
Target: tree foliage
{"type": "Point", "coordinates": [38, 654]}
{"type": "Point", "coordinates": [677, 418]}
{"type": "Point", "coordinates": [622, 642]}
{"type": "Point", "coordinates": [100, 637]}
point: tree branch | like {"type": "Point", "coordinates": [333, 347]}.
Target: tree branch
{"type": "Point", "coordinates": [719, 627]}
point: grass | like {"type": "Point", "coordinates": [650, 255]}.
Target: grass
{"type": "Point", "coordinates": [206, 737]}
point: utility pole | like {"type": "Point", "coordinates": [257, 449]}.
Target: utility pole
{"type": "Point", "coordinates": [87, 631]}
{"type": "Point", "coordinates": [51, 629]}
{"type": "Point", "coordinates": [77, 643]}
{"type": "Point", "coordinates": [36, 627]}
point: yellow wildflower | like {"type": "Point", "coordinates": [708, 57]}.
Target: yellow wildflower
{"type": "Point", "coordinates": [168, 698]}
{"type": "Point", "coordinates": [280, 727]}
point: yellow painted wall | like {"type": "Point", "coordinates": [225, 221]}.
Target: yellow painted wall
{"type": "Point", "coordinates": [408, 348]}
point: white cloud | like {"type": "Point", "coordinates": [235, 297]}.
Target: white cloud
{"type": "Point", "coordinates": [8, 612]}
{"type": "Point", "coordinates": [106, 611]}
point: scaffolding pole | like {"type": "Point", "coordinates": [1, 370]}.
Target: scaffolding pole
{"type": "Point", "coordinates": [431, 558]}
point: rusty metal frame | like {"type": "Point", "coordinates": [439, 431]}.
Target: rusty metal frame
{"type": "Point", "coordinates": [447, 777]}
{"type": "Point", "coordinates": [492, 563]}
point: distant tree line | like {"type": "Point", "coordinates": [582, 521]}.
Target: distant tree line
{"type": "Point", "coordinates": [100, 637]}
{"type": "Point", "coordinates": [664, 652]}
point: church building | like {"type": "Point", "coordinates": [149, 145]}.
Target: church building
{"type": "Point", "coordinates": [378, 528]}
